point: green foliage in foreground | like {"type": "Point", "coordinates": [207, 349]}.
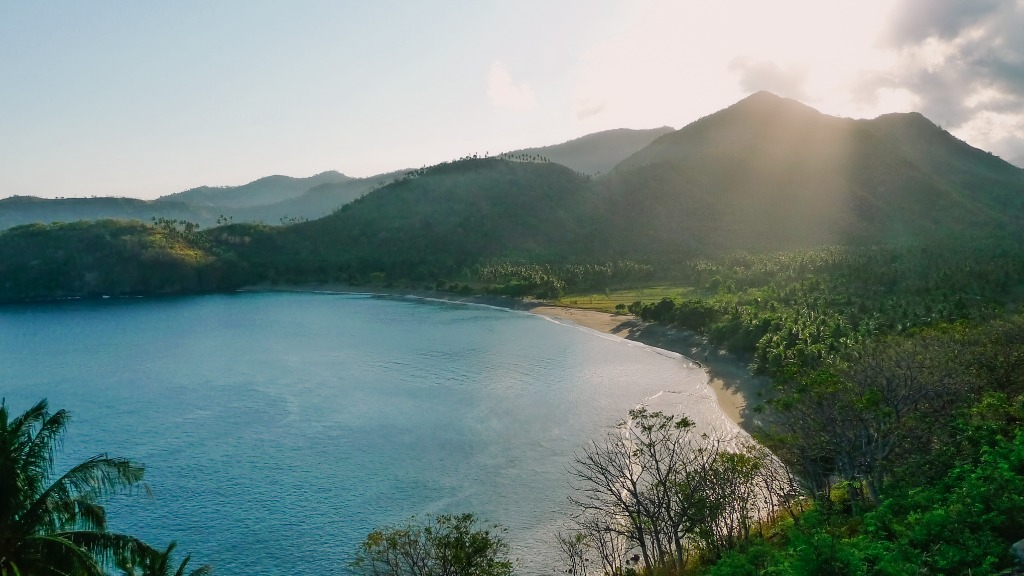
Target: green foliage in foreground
{"type": "Point", "coordinates": [54, 525]}
{"type": "Point", "coordinates": [924, 435]}
{"type": "Point", "coordinates": [439, 546]}
{"type": "Point", "coordinates": [963, 523]}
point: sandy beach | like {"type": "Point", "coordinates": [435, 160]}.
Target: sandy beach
{"type": "Point", "coordinates": [737, 390]}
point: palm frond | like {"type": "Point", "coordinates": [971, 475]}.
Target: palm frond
{"type": "Point", "coordinates": [44, 443]}
{"type": "Point", "coordinates": [64, 504]}
{"type": "Point", "coordinates": [29, 418]}
{"type": "Point", "coordinates": [110, 548]}
{"type": "Point", "coordinates": [57, 527]}
{"type": "Point", "coordinates": [56, 555]}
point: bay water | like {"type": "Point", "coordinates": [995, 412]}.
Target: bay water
{"type": "Point", "coordinates": [278, 429]}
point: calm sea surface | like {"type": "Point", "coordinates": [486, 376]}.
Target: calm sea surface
{"type": "Point", "coordinates": [278, 429]}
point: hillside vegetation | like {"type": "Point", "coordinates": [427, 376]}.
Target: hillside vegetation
{"type": "Point", "coordinates": [440, 221]}
{"type": "Point", "coordinates": [109, 258]}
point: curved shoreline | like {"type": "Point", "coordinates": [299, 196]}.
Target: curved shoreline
{"type": "Point", "coordinates": [737, 390]}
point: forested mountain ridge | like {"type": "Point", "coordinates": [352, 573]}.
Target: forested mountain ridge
{"type": "Point", "coordinates": [764, 174]}
{"type": "Point", "coordinates": [441, 219]}
{"type": "Point", "coordinates": [770, 172]}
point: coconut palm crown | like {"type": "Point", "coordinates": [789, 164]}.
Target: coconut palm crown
{"type": "Point", "coordinates": [56, 525]}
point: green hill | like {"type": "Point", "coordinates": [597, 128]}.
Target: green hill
{"type": "Point", "coordinates": [764, 174]}
{"type": "Point", "coordinates": [444, 218]}
{"type": "Point", "coordinates": [107, 258]}
{"type": "Point", "coordinates": [595, 153]}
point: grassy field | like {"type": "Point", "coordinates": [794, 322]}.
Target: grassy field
{"type": "Point", "coordinates": [607, 300]}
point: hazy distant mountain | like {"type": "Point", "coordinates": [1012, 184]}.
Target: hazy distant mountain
{"type": "Point", "coordinates": [267, 190]}
{"type": "Point", "coordinates": [595, 153]}
{"type": "Point", "coordinates": [18, 210]}
{"type": "Point", "coordinates": [316, 202]}
{"type": "Point", "coordinates": [323, 194]}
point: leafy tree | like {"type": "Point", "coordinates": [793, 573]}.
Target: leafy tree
{"type": "Point", "coordinates": [445, 545]}
{"type": "Point", "coordinates": [862, 417]}
{"type": "Point", "coordinates": [657, 487]}
{"type": "Point", "coordinates": [57, 526]}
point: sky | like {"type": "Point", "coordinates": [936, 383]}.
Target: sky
{"type": "Point", "coordinates": [142, 99]}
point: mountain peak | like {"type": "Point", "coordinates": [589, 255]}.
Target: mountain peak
{"type": "Point", "coordinates": [762, 113]}
{"type": "Point", "coordinates": [764, 95]}
{"type": "Point", "coordinates": [768, 102]}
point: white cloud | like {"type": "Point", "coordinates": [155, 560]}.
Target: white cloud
{"type": "Point", "coordinates": [964, 64]}
{"type": "Point", "coordinates": [959, 63]}
{"type": "Point", "coordinates": [585, 108]}
{"type": "Point", "coordinates": [504, 93]}
{"type": "Point", "coordinates": [757, 75]}
{"type": "Point", "coordinates": [671, 62]}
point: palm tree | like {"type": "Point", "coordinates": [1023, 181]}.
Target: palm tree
{"type": "Point", "coordinates": [57, 526]}
{"type": "Point", "coordinates": [159, 564]}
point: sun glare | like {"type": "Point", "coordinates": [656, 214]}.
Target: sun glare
{"type": "Point", "coordinates": [709, 53]}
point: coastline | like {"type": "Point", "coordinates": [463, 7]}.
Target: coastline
{"type": "Point", "coordinates": [737, 390]}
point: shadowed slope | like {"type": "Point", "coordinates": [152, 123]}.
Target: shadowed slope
{"type": "Point", "coordinates": [769, 172]}
{"type": "Point", "coordinates": [450, 216]}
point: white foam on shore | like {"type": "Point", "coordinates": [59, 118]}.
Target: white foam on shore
{"type": "Point", "coordinates": [674, 401]}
